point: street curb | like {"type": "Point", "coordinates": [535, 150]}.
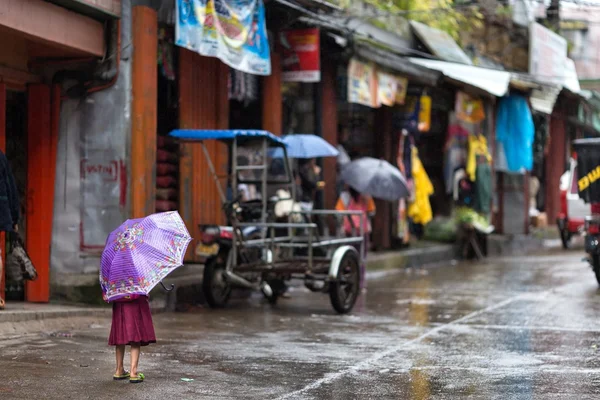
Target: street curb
{"type": "Point", "coordinates": [17, 316]}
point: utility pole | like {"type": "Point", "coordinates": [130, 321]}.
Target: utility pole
{"type": "Point", "coordinates": [553, 15]}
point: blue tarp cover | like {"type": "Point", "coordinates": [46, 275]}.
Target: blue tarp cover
{"type": "Point", "coordinates": [515, 131]}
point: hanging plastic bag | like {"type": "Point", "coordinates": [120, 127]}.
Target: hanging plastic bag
{"type": "Point", "coordinates": [18, 264]}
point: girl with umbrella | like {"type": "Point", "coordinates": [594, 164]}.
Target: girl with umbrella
{"type": "Point", "coordinates": [137, 257]}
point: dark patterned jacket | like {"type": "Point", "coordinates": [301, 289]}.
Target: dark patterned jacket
{"type": "Point", "coordinates": [9, 197]}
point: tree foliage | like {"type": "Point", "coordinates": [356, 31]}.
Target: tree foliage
{"type": "Point", "coordinates": [451, 16]}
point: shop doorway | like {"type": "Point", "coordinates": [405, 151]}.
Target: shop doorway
{"type": "Point", "coordinates": [16, 152]}
{"type": "Point", "coordinates": [28, 136]}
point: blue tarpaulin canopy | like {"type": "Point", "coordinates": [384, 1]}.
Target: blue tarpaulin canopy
{"type": "Point", "coordinates": [224, 135]}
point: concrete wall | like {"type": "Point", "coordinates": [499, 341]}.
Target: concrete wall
{"type": "Point", "coordinates": [585, 54]}
{"type": "Point", "coordinates": [91, 174]}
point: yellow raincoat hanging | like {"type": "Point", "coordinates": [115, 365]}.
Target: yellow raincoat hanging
{"type": "Point", "coordinates": [477, 148]}
{"type": "Point", "coordinates": [420, 209]}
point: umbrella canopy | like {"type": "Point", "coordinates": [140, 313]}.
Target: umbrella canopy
{"type": "Point", "coordinates": [140, 253]}
{"type": "Point", "coordinates": [377, 178]}
{"type": "Point", "coordinates": [306, 146]}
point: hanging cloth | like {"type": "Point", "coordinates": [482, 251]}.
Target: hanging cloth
{"type": "Point", "coordinates": [477, 148]}
{"type": "Point", "coordinates": [483, 189]}
{"type": "Point", "coordinates": [455, 151]}
{"type": "Point", "coordinates": [420, 209]}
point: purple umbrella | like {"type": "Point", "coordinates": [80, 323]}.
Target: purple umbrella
{"type": "Point", "coordinates": [140, 253]}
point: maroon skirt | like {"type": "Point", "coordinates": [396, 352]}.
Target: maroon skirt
{"type": "Point", "coordinates": [132, 323]}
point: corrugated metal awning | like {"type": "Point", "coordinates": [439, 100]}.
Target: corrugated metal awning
{"type": "Point", "coordinates": [489, 80]}
{"type": "Point", "coordinates": [543, 100]}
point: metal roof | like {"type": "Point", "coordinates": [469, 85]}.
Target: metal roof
{"type": "Point", "coordinates": [491, 81]}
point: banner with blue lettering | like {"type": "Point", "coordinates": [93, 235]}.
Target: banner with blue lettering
{"type": "Point", "coordinates": [232, 30]}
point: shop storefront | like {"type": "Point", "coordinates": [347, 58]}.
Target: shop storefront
{"type": "Point", "coordinates": [30, 108]}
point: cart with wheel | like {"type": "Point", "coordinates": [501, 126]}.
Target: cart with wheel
{"type": "Point", "coordinates": [254, 251]}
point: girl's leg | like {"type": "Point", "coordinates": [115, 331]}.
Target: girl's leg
{"type": "Point", "coordinates": [120, 353]}
{"type": "Point", "coordinates": [135, 358]}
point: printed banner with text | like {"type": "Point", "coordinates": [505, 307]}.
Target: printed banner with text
{"type": "Point", "coordinates": [232, 30]}
{"type": "Point", "coordinates": [301, 55]}
{"type": "Point", "coordinates": [373, 88]}
{"type": "Point", "coordinates": [391, 89]}
{"type": "Point", "coordinates": [362, 83]}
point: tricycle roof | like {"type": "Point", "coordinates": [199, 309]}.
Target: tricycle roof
{"type": "Point", "coordinates": [583, 143]}
{"type": "Point", "coordinates": [225, 135]}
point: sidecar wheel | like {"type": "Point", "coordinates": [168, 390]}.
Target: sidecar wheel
{"type": "Point", "coordinates": [344, 291]}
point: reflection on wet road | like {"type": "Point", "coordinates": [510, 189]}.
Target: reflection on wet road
{"type": "Point", "coordinates": [519, 328]}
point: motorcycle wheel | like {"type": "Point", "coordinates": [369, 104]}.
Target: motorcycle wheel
{"type": "Point", "coordinates": [216, 288]}
{"type": "Point", "coordinates": [344, 291]}
{"type": "Point", "coordinates": [596, 266]}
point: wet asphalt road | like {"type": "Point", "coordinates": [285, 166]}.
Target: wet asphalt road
{"type": "Point", "coordinates": [515, 328]}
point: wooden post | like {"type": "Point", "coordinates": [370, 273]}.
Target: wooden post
{"type": "Point", "coordinates": [555, 162]}
{"type": "Point", "coordinates": [203, 104]}
{"type": "Point", "coordinates": [383, 219]}
{"type": "Point", "coordinates": [329, 128]}
{"type": "Point", "coordinates": [272, 99]}
{"type": "Point", "coordinates": [144, 112]}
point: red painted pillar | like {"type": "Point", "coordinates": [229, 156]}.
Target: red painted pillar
{"type": "Point", "coordinates": [3, 148]}
{"type": "Point", "coordinates": [40, 187]}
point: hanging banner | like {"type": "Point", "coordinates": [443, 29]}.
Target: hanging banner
{"type": "Point", "coordinates": [233, 31]}
{"type": "Point", "coordinates": [301, 55]}
{"type": "Point", "coordinates": [387, 89]}
{"type": "Point", "coordinates": [401, 90]}
{"type": "Point", "coordinates": [469, 109]}
{"type": "Point", "coordinates": [362, 84]}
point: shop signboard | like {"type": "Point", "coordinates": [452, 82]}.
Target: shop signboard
{"type": "Point", "coordinates": [232, 30]}
{"type": "Point", "coordinates": [362, 83]}
{"type": "Point", "coordinates": [301, 55]}
{"type": "Point", "coordinates": [547, 54]}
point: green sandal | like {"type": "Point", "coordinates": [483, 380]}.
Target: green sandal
{"type": "Point", "coordinates": [126, 375]}
{"type": "Point", "coordinates": [138, 379]}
